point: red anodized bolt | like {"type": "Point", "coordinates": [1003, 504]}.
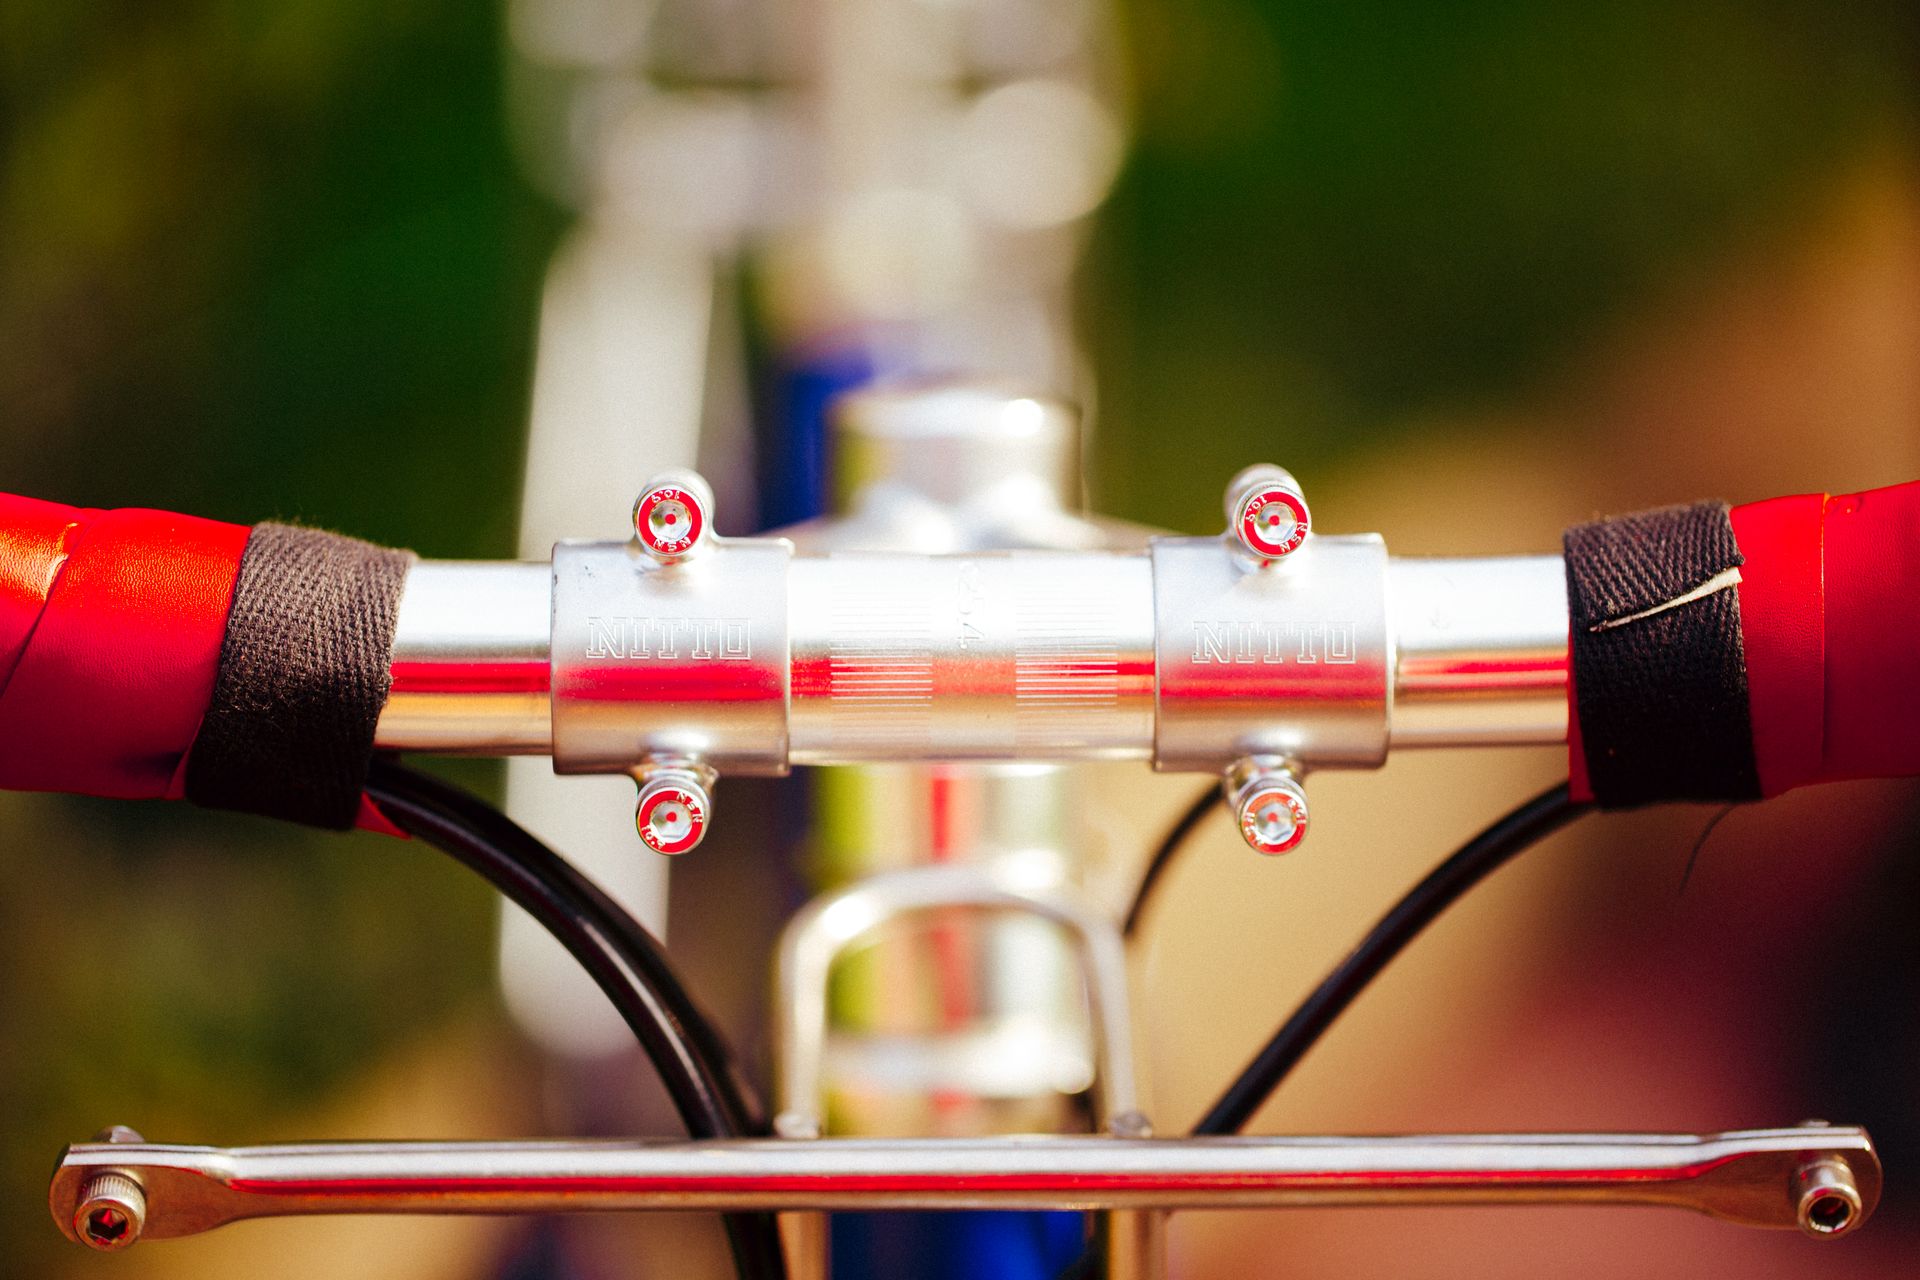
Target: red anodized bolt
{"type": "Point", "coordinates": [670, 518]}
{"type": "Point", "coordinates": [1272, 520]}
{"type": "Point", "coordinates": [1273, 816]}
{"type": "Point", "coordinates": [672, 817]}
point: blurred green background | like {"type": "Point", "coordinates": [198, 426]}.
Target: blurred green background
{"type": "Point", "coordinates": [274, 259]}
{"type": "Point", "coordinates": [1344, 221]}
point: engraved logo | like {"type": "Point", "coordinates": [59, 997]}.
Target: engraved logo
{"type": "Point", "coordinates": [1301, 643]}
{"type": "Point", "coordinates": [695, 639]}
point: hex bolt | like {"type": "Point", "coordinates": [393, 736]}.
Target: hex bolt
{"type": "Point", "coordinates": [1268, 804]}
{"type": "Point", "coordinates": [1268, 513]}
{"type": "Point", "coordinates": [675, 807]}
{"type": "Point", "coordinates": [1826, 1198]}
{"type": "Point", "coordinates": [673, 517]}
{"type": "Point", "coordinates": [111, 1213]}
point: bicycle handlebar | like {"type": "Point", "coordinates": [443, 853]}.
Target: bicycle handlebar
{"type": "Point", "coordinates": [1177, 654]}
{"type": "Point", "coordinates": [1262, 653]}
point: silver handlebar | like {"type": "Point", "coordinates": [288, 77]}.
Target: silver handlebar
{"type": "Point", "coordinates": [1179, 654]}
{"type": "Point", "coordinates": [1257, 655]}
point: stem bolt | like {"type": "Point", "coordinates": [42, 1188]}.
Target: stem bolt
{"type": "Point", "coordinates": [1268, 804]}
{"type": "Point", "coordinates": [1268, 513]}
{"type": "Point", "coordinates": [675, 807]}
{"type": "Point", "coordinates": [111, 1213]}
{"type": "Point", "coordinates": [673, 516]}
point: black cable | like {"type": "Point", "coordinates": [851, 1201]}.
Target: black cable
{"type": "Point", "coordinates": [1444, 885]}
{"type": "Point", "coordinates": [1177, 835]}
{"type": "Point", "coordinates": [677, 1035]}
{"type": "Point", "coordinates": [700, 1074]}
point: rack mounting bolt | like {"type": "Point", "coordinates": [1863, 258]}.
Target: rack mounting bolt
{"type": "Point", "coordinates": [1826, 1197]}
{"type": "Point", "coordinates": [111, 1213]}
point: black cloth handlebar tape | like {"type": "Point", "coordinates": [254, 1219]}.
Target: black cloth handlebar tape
{"type": "Point", "coordinates": [303, 674]}
{"type": "Point", "coordinates": [1659, 672]}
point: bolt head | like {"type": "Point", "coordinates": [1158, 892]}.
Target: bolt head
{"type": "Point", "coordinates": [1827, 1200]}
{"type": "Point", "coordinates": [672, 516]}
{"type": "Point", "coordinates": [1272, 812]}
{"type": "Point", "coordinates": [1271, 520]}
{"type": "Point", "coordinates": [796, 1125]}
{"type": "Point", "coordinates": [673, 814]}
{"type": "Point", "coordinates": [111, 1213]}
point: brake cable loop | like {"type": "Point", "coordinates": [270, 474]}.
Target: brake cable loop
{"type": "Point", "coordinates": [700, 1073]}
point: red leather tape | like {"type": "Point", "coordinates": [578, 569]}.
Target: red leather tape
{"type": "Point", "coordinates": [1873, 609]}
{"type": "Point", "coordinates": [110, 630]}
{"type": "Point", "coordinates": [1783, 630]}
{"type": "Point", "coordinates": [1829, 610]}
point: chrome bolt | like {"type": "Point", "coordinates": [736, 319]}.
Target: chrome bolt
{"type": "Point", "coordinates": [1267, 513]}
{"type": "Point", "coordinates": [798, 1126]}
{"type": "Point", "coordinates": [111, 1213]}
{"type": "Point", "coordinates": [1826, 1198]}
{"type": "Point", "coordinates": [1268, 804]}
{"type": "Point", "coordinates": [675, 806]}
{"type": "Point", "coordinates": [673, 516]}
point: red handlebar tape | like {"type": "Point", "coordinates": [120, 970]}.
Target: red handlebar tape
{"type": "Point", "coordinates": [1830, 616]}
{"type": "Point", "coordinates": [111, 630]}
{"type": "Point", "coordinates": [1829, 604]}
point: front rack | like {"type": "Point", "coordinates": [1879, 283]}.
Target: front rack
{"type": "Point", "coordinates": [1822, 1179]}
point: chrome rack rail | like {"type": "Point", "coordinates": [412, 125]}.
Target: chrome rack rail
{"type": "Point", "coordinates": [1821, 1179]}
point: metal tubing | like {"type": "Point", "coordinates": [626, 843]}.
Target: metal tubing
{"type": "Point", "coordinates": [1029, 655]}
{"type": "Point", "coordinates": [671, 660]}
{"type": "Point", "coordinates": [1746, 1177]}
{"type": "Point", "coordinates": [1136, 1244]}
{"type": "Point", "coordinates": [1481, 651]}
{"type": "Point", "coordinates": [470, 653]}
{"type": "Point", "coordinates": [830, 924]}
{"type": "Point", "coordinates": [1013, 656]}
{"type": "Point", "coordinates": [1291, 659]}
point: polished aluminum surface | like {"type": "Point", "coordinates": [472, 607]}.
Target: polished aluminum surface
{"type": "Point", "coordinates": [1023, 655]}
{"type": "Point", "coordinates": [956, 444]}
{"type": "Point", "coordinates": [1744, 1177]}
{"type": "Point", "coordinates": [834, 922]}
{"type": "Point", "coordinates": [686, 660]}
{"type": "Point", "coordinates": [469, 660]}
{"type": "Point", "coordinates": [1290, 659]}
{"type": "Point", "coordinates": [1020, 655]}
{"type": "Point", "coordinates": [1480, 651]}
